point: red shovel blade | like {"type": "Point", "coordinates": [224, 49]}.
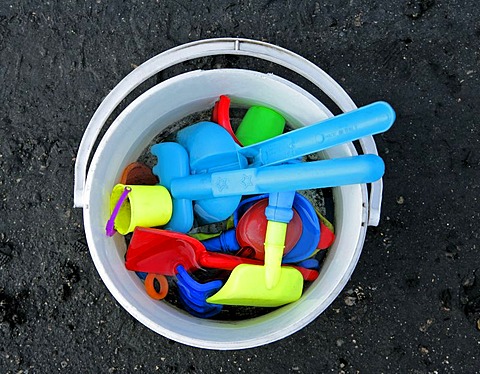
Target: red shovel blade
{"type": "Point", "coordinates": [153, 253]}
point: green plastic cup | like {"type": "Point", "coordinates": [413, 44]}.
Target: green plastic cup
{"type": "Point", "coordinates": [259, 124]}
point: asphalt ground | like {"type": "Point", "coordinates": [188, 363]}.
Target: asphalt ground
{"type": "Point", "coordinates": [413, 302]}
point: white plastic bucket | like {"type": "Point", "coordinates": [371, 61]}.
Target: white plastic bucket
{"type": "Point", "coordinates": [172, 100]}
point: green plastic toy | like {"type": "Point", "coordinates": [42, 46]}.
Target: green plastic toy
{"type": "Point", "coordinates": [259, 124]}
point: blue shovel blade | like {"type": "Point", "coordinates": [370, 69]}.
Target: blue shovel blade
{"type": "Point", "coordinates": [189, 282]}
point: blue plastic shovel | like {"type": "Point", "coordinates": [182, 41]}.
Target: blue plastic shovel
{"type": "Point", "coordinates": [211, 149]}
{"type": "Point", "coordinates": [194, 294]}
{"type": "Point", "coordinates": [281, 178]}
{"type": "Point", "coordinates": [231, 185]}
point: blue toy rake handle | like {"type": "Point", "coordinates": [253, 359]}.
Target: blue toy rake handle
{"type": "Point", "coordinates": [289, 177]}
{"type": "Point", "coordinates": [226, 242]}
{"type": "Point", "coordinates": [279, 207]}
{"type": "Point", "coordinates": [368, 120]}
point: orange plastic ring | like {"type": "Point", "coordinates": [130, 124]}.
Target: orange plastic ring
{"type": "Point", "coordinates": [150, 286]}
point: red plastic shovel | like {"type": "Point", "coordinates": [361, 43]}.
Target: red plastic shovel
{"type": "Point", "coordinates": [161, 251]}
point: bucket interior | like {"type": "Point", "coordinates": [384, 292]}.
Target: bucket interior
{"type": "Point", "coordinates": [126, 139]}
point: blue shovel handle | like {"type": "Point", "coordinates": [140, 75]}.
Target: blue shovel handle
{"type": "Point", "coordinates": [290, 177]}
{"type": "Point", "coordinates": [174, 164]}
{"type": "Point", "coordinates": [368, 120]}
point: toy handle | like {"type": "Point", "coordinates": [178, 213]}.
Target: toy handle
{"type": "Point", "coordinates": [221, 115]}
{"type": "Point", "coordinates": [228, 262]}
{"type": "Point", "coordinates": [212, 47]}
{"type": "Point", "coordinates": [274, 246]}
{"type": "Point", "coordinates": [177, 166]}
{"type": "Point", "coordinates": [225, 242]}
{"type": "Point", "coordinates": [307, 274]}
{"type": "Point", "coordinates": [278, 212]}
{"type": "Point", "coordinates": [109, 229]}
{"type": "Point", "coordinates": [224, 261]}
{"type": "Point", "coordinates": [289, 177]}
{"type": "Point", "coordinates": [368, 120]}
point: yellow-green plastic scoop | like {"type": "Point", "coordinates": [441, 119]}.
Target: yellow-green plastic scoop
{"type": "Point", "coordinates": [272, 284]}
{"type": "Point", "coordinates": [246, 286]}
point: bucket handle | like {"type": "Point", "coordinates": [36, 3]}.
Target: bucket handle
{"type": "Point", "coordinates": [211, 47]}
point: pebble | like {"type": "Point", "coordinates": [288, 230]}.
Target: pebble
{"type": "Point", "coordinates": [423, 350]}
{"type": "Point", "coordinates": [400, 200]}
{"type": "Point", "coordinates": [469, 281]}
{"type": "Point", "coordinates": [426, 326]}
{"type": "Point", "coordinates": [350, 300]}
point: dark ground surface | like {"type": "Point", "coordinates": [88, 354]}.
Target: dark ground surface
{"type": "Point", "coordinates": [413, 302]}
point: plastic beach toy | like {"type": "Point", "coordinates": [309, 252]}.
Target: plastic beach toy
{"type": "Point", "coordinates": [146, 206]}
{"type": "Point", "coordinates": [250, 232]}
{"type": "Point", "coordinates": [221, 115]}
{"type": "Point", "coordinates": [259, 123]}
{"type": "Point", "coordinates": [162, 251]}
{"type": "Point", "coordinates": [154, 281]}
{"type": "Point", "coordinates": [234, 184]}
{"type": "Point", "coordinates": [271, 284]}
{"type": "Point", "coordinates": [222, 154]}
{"type": "Point", "coordinates": [138, 173]}
{"type": "Point", "coordinates": [194, 294]}
{"type": "Point", "coordinates": [279, 213]}
{"type": "Point", "coordinates": [251, 228]}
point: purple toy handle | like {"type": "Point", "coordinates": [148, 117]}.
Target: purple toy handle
{"type": "Point", "coordinates": [110, 224]}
